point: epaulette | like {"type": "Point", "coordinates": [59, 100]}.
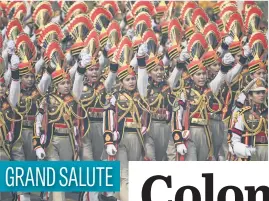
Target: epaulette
{"type": "Point", "coordinates": [243, 110]}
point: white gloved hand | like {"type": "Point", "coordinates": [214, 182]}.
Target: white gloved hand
{"type": "Point", "coordinates": [228, 59]}
{"type": "Point", "coordinates": [85, 60]}
{"type": "Point", "coordinates": [246, 50]}
{"type": "Point", "coordinates": [181, 149]}
{"type": "Point", "coordinates": [111, 149]}
{"type": "Point", "coordinates": [241, 150]}
{"type": "Point", "coordinates": [241, 98]}
{"type": "Point", "coordinates": [228, 40]}
{"type": "Point", "coordinates": [40, 153]}
{"type": "Point", "coordinates": [142, 50]}
{"type": "Point", "coordinates": [184, 55]}
{"type": "Point", "coordinates": [15, 60]}
{"type": "Point", "coordinates": [11, 47]}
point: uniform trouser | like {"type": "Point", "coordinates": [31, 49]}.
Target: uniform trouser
{"type": "Point", "coordinates": [261, 153]}
{"type": "Point", "coordinates": [158, 138]}
{"type": "Point", "coordinates": [224, 150]}
{"type": "Point", "coordinates": [59, 149]}
{"type": "Point", "coordinates": [197, 147]}
{"type": "Point", "coordinates": [216, 127]}
{"type": "Point", "coordinates": [130, 149]}
{"type": "Point", "coordinates": [171, 149]}
{"type": "Point", "coordinates": [22, 149]}
{"type": "Point", "coordinates": [3, 157]}
{"type": "Point", "coordinates": [92, 144]}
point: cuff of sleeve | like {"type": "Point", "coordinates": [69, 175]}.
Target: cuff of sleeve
{"type": "Point", "coordinates": [81, 70]}
{"type": "Point", "coordinates": [41, 111]}
{"type": "Point", "coordinates": [114, 67]}
{"type": "Point", "coordinates": [15, 75]}
{"type": "Point", "coordinates": [242, 59]}
{"type": "Point", "coordinates": [238, 104]}
{"type": "Point", "coordinates": [224, 46]}
{"type": "Point", "coordinates": [236, 131]}
{"type": "Point", "coordinates": [180, 65]}
{"type": "Point", "coordinates": [177, 136]}
{"type": "Point", "coordinates": [108, 138]}
{"type": "Point", "coordinates": [36, 142]}
{"type": "Point", "coordinates": [50, 70]}
{"type": "Point", "coordinates": [105, 53]}
{"type": "Point", "coordinates": [225, 68]}
{"type": "Point", "coordinates": [141, 61]}
{"type": "Point", "coordinates": [182, 103]}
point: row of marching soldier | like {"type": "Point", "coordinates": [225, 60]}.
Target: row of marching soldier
{"type": "Point", "coordinates": [131, 81]}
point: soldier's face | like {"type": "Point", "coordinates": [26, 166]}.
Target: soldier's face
{"type": "Point", "coordinates": [28, 80]}
{"type": "Point", "coordinates": [64, 87]}
{"type": "Point", "coordinates": [199, 78]}
{"type": "Point", "coordinates": [258, 97]}
{"type": "Point", "coordinates": [214, 68]}
{"type": "Point", "coordinates": [157, 74]}
{"type": "Point", "coordinates": [3, 89]}
{"type": "Point", "coordinates": [93, 74]}
{"type": "Point", "coordinates": [259, 74]}
{"type": "Point", "coordinates": [129, 83]}
{"type": "Point", "coordinates": [237, 57]}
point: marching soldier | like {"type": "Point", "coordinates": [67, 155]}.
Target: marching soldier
{"type": "Point", "coordinates": [10, 118]}
{"type": "Point", "coordinates": [249, 138]}
{"type": "Point", "coordinates": [125, 118]}
{"type": "Point", "coordinates": [198, 95]}
{"type": "Point", "coordinates": [29, 98]}
{"type": "Point", "coordinates": [164, 107]}
{"type": "Point", "coordinates": [93, 99]}
{"type": "Point", "coordinates": [58, 111]}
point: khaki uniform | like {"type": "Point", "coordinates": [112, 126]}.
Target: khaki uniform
{"type": "Point", "coordinates": [127, 116]}
{"type": "Point", "coordinates": [61, 120]}
{"type": "Point", "coordinates": [92, 142]}
{"type": "Point", "coordinates": [200, 146]}
{"type": "Point", "coordinates": [251, 125]}
{"type": "Point", "coordinates": [165, 121]}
